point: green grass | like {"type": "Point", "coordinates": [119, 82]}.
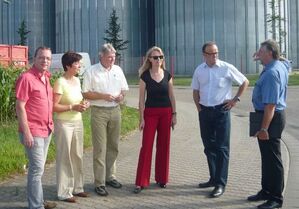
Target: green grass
{"type": "Point", "coordinates": [186, 80]}
{"type": "Point", "coordinates": [294, 79]}
{"type": "Point", "coordinates": [12, 153]}
{"type": "Point", "coordinates": [132, 79]}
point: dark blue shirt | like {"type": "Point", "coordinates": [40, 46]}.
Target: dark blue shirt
{"type": "Point", "coordinates": [271, 87]}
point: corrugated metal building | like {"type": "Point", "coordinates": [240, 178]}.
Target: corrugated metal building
{"type": "Point", "coordinates": [237, 26]}
{"type": "Point", "coordinates": [179, 27]}
{"type": "Point", "coordinates": [39, 16]}
{"type": "Point", "coordinates": [81, 25]}
{"type": "Point", "coordinates": [293, 33]}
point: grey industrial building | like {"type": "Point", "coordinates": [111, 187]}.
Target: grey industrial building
{"type": "Point", "coordinates": [179, 27]}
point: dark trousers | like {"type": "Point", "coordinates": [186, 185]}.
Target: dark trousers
{"type": "Point", "coordinates": [272, 167]}
{"type": "Point", "coordinates": [215, 134]}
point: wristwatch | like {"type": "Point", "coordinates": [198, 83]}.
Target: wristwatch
{"type": "Point", "coordinates": [237, 99]}
{"type": "Point", "coordinates": [264, 129]}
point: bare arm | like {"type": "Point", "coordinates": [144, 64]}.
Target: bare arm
{"type": "Point", "coordinates": [196, 99]}
{"type": "Point", "coordinates": [91, 95]}
{"type": "Point", "coordinates": [242, 88]}
{"type": "Point", "coordinates": [23, 123]}
{"type": "Point", "coordinates": [141, 103]}
{"type": "Point", "coordinates": [172, 101]}
{"type": "Point", "coordinates": [57, 107]}
{"type": "Point", "coordinates": [231, 103]}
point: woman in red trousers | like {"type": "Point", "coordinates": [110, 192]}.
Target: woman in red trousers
{"type": "Point", "coordinates": [157, 115]}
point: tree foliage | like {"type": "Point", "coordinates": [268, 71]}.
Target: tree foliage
{"type": "Point", "coordinates": [22, 31]}
{"type": "Point", "coordinates": [113, 34]}
{"type": "Point", "coordinates": [276, 22]}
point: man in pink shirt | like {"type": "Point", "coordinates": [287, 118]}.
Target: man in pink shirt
{"type": "Point", "coordinates": [34, 107]}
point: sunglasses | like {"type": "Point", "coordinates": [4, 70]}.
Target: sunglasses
{"type": "Point", "coordinates": [158, 57]}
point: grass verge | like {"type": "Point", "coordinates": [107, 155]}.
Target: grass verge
{"type": "Point", "coordinates": [12, 153]}
{"type": "Point", "coordinates": [186, 80]}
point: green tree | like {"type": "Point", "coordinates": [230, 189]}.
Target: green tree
{"type": "Point", "coordinates": [22, 31]}
{"type": "Point", "coordinates": [113, 35]}
{"type": "Point", "coordinates": [276, 23]}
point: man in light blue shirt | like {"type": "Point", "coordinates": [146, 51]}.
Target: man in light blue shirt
{"type": "Point", "coordinates": [269, 98]}
{"type": "Point", "coordinates": [212, 94]}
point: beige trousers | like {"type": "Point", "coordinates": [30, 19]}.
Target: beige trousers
{"type": "Point", "coordinates": [69, 158]}
{"type": "Point", "coordinates": [105, 127]}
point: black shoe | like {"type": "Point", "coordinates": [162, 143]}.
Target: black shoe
{"type": "Point", "coordinates": [206, 184]}
{"type": "Point", "coordinates": [217, 192]}
{"type": "Point", "coordinates": [261, 195]}
{"type": "Point", "coordinates": [138, 189]}
{"type": "Point", "coordinates": [101, 190]}
{"type": "Point", "coordinates": [270, 204]}
{"type": "Point", "coordinates": [161, 185]}
{"type": "Point", "coordinates": [114, 183]}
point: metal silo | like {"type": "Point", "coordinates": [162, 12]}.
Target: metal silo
{"type": "Point", "coordinates": [38, 16]}
{"type": "Point", "coordinates": [293, 34]}
{"type": "Point", "coordinates": [182, 26]}
{"type": "Point", "coordinates": [81, 25]}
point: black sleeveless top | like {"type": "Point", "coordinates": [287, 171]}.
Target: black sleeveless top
{"type": "Point", "coordinates": [156, 92]}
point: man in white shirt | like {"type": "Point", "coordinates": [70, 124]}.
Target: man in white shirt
{"type": "Point", "coordinates": [212, 94]}
{"type": "Point", "coordinates": [104, 85]}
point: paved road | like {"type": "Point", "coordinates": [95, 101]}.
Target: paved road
{"type": "Point", "coordinates": [188, 167]}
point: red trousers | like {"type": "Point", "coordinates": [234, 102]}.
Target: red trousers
{"type": "Point", "coordinates": [156, 120]}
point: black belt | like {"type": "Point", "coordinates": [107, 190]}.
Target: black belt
{"type": "Point", "coordinates": [213, 107]}
{"type": "Point", "coordinates": [278, 111]}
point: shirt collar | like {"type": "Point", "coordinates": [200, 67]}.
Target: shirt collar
{"type": "Point", "coordinates": [270, 64]}
{"type": "Point", "coordinates": [217, 64]}
{"type": "Point", "coordinates": [102, 68]}
{"type": "Point", "coordinates": [39, 74]}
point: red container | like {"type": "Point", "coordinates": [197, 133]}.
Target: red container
{"type": "Point", "coordinates": [5, 55]}
{"type": "Point", "coordinates": [13, 55]}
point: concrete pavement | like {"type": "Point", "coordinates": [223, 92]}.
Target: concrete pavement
{"type": "Point", "coordinates": [188, 167]}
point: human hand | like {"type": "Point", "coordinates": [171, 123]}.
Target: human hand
{"type": "Point", "coordinates": [141, 125]}
{"type": "Point", "coordinates": [110, 98]}
{"type": "Point", "coordinates": [81, 107]}
{"type": "Point", "coordinates": [262, 135]}
{"type": "Point", "coordinates": [85, 103]}
{"type": "Point", "coordinates": [198, 108]}
{"type": "Point", "coordinates": [255, 56]}
{"type": "Point", "coordinates": [28, 140]}
{"type": "Point", "coordinates": [229, 104]}
{"type": "Point", "coordinates": [173, 121]}
{"type": "Point", "coordinates": [119, 98]}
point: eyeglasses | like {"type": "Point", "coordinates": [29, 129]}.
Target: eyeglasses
{"type": "Point", "coordinates": [213, 53]}
{"type": "Point", "coordinates": [158, 57]}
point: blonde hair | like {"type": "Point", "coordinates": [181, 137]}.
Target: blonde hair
{"type": "Point", "coordinates": [147, 64]}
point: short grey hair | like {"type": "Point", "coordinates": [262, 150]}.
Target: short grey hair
{"type": "Point", "coordinates": [106, 48]}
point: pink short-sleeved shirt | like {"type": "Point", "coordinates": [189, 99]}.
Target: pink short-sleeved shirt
{"type": "Point", "coordinates": [39, 101]}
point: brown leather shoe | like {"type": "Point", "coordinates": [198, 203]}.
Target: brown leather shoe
{"type": "Point", "coordinates": [82, 194]}
{"type": "Point", "coordinates": [49, 205]}
{"type": "Point", "coordinates": [70, 200]}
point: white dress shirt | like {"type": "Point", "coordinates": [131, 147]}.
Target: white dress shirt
{"type": "Point", "coordinates": [215, 83]}
{"type": "Point", "coordinates": [99, 79]}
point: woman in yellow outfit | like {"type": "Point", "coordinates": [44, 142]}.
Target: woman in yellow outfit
{"type": "Point", "coordinates": [68, 104]}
